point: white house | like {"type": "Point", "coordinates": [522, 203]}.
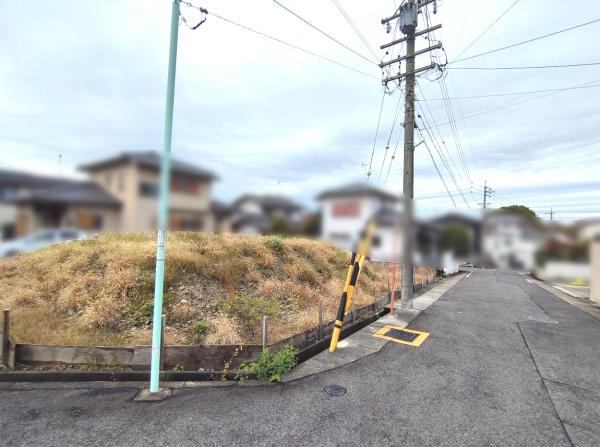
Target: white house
{"type": "Point", "coordinates": [346, 210]}
{"type": "Point", "coordinates": [510, 241]}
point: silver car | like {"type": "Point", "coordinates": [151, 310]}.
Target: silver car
{"type": "Point", "coordinates": [39, 239]}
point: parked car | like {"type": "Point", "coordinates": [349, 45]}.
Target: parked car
{"type": "Point", "coordinates": [39, 239]}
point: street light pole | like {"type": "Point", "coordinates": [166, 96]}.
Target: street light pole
{"type": "Point", "coordinates": [163, 206]}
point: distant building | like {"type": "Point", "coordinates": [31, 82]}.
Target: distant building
{"type": "Point", "coordinates": [588, 229]}
{"type": "Point", "coordinates": [254, 214]}
{"type": "Point", "coordinates": [472, 226]}
{"type": "Point", "coordinates": [120, 195]}
{"type": "Point", "coordinates": [510, 241]}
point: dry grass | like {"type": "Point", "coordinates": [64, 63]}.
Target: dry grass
{"type": "Point", "coordinates": [99, 291]}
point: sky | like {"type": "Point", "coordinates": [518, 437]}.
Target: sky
{"type": "Point", "coordinates": [81, 81]}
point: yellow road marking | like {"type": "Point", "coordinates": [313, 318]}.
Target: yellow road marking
{"type": "Point", "coordinates": [422, 336]}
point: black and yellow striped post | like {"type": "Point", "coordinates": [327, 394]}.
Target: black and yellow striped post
{"type": "Point", "coordinates": [355, 266]}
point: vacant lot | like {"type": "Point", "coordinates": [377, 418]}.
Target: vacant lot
{"type": "Point", "coordinates": [217, 288]}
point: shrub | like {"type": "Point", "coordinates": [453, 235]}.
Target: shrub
{"type": "Point", "coordinates": [270, 367]}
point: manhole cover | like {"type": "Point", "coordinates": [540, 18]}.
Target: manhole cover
{"type": "Point", "coordinates": [401, 335]}
{"type": "Point", "coordinates": [335, 390]}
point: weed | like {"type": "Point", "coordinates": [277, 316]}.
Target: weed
{"type": "Point", "coordinates": [248, 310]}
{"type": "Point", "coordinates": [178, 368]}
{"type": "Point", "coordinates": [200, 328]}
{"type": "Point", "coordinates": [270, 367]}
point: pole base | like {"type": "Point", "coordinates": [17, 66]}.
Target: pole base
{"type": "Point", "coordinates": [146, 396]}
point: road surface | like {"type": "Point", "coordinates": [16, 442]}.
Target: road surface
{"type": "Point", "coordinates": [507, 364]}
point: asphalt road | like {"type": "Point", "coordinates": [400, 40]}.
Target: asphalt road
{"type": "Point", "coordinates": [506, 364]}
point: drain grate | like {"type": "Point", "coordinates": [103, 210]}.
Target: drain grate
{"type": "Point", "coordinates": [402, 335]}
{"type": "Point", "coordinates": [335, 390]}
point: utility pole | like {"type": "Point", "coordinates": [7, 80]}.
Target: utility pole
{"type": "Point", "coordinates": [407, 15]}
{"type": "Point", "coordinates": [163, 206]}
{"type": "Point", "coordinates": [487, 193]}
{"type": "Point", "coordinates": [551, 213]}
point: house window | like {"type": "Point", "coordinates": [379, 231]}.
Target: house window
{"type": "Point", "coordinates": [185, 186]}
{"type": "Point", "coordinates": [349, 208]}
{"type": "Point", "coordinates": [149, 189]}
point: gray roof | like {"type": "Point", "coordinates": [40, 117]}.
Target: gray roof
{"type": "Point", "coordinates": [269, 202]}
{"type": "Point", "coordinates": [25, 179]}
{"type": "Point", "coordinates": [356, 190]}
{"type": "Point", "coordinates": [70, 193]}
{"type": "Point", "coordinates": [152, 160]}
{"type": "Point", "coordinates": [220, 209]}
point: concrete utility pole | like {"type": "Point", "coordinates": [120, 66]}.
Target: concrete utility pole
{"type": "Point", "coordinates": [551, 213]}
{"type": "Point", "coordinates": [487, 193]}
{"type": "Point", "coordinates": [409, 18]}
{"type": "Point", "coordinates": [407, 15]}
{"type": "Point", "coordinates": [163, 206]}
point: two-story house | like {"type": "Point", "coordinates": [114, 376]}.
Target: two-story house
{"type": "Point", "coordinates": [120, 195]}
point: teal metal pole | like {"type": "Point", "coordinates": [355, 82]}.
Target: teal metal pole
{"type": "Point", "coordinates": [163, 205]}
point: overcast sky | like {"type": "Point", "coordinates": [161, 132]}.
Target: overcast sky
{"type": "Point", "coordinates": [87, 80]}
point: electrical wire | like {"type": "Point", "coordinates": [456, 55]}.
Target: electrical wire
{"type": "Point", "coordinates": [355, 28]}
{"type": "Point", "coordinates": [376, 134]}
{"type": "Point", "coordinates": [387, 145]}
{"type": "Point", "coordinates": [515, 103]}
{"type": "Point", "coordinates": [527, 41]}
{"type": "Point", "coordinates": [283, 42]}
{"type": "Point", "coordinates": [517, 93]}
{"type": "Point", "coordinates": [487, 29]}
{"type": "Point", "coordinates": [324, 33]}
{"type": "Point", "coordinates": [531, 67]}
{"type": "Point", "coordinates": [436, 168]}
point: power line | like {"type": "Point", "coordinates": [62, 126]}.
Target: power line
{"type": "Point", "coordinates": [527, 41]}
{"type": "Point", "coordinates": [517, 93]}
{"type": "Point", "coordinates": [487, 29]}
{"type": "Point", "coordinates": [514, 104]}
{"type": "Point", "coordinates": [376, 134]}
{"type": "Point", "coordinates": [530, 67]}
{"type": "Point", "coordinates": [438, 171]}
{"type": "Point", "coordinates": [387, 145]}
{"type": "Point", "coordinates": [436, 144]}
{"type": "Point", "coordinates": [276, 39]}
{"type": "Point", "coordinates": [355, 28]}
{"type": "Point", "coordinates": [324, 33]}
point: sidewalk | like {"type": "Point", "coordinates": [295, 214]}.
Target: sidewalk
{"type": "Point", "coordinates": [362, 343]}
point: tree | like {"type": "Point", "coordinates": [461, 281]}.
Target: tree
{"type": "Point", "coordinates": [456, 239]}
{"type": "Point", "coordinates": [280, 225]}
{"type": "Point", "coordinates": [524, 211]}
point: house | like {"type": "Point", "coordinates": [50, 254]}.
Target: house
{"type": "Point", "coordinates": [120, 195]}
{"type": "Point", "coordinates": [588, 229]}
{"type": "Point", "coordinates": [12, 185]}
{"type": "Point", "coordinates": [346, 210]}
{"type": "Point", "coordinates": [510, 240]}
{"type": "Point", "coordinates": [255, 214]}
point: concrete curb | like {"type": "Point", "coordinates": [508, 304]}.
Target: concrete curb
{"type": "Point", "coordinates": [362, 343]}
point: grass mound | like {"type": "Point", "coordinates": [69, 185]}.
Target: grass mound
{"type": "Point", "coordinates": [217, 288]}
